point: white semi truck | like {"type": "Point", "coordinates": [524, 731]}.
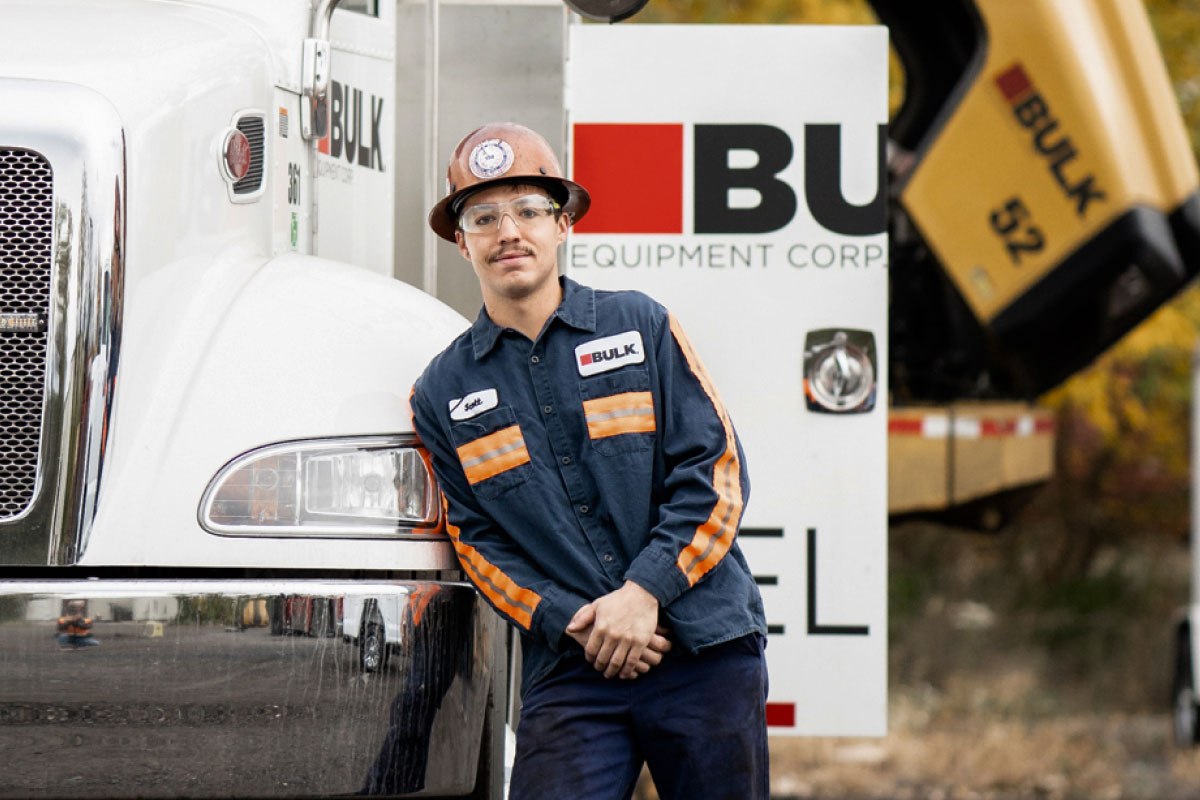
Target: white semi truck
{"type": "Point", "coordinates": [223, 567]}
{"type": "Point", "coordinates": [205, 361]}
{"type": "Point", "coordinates": [224, 570]}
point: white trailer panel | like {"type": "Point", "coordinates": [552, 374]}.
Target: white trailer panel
{"type": "Point", "coordinates": [750, 200]}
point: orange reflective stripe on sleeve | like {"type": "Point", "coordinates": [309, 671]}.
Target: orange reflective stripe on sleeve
{"type": "Point", "coordinates": [715, 535]}
{"type": "Point", "coordinates": [412, 415]}
{"type": "Point", "coordinates": [418, 601]}
{"type": "Point", "coordinates": [631, 412]}
{"type": "Point", "coordinates": [492, 454]}
{"type": "Point", "coordinates": [515, 601]}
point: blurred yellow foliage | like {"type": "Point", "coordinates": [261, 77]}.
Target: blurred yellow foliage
{"type": "Point", "coordinates": [831, 12]}
{"type": "Point", "coordinates": [1125, 421]}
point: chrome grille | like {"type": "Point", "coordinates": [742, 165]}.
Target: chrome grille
{"type": "Point", "coordinates": [26, 234]}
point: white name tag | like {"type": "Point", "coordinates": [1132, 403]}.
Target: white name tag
{"type": "Point", "coordinates": [611, 352]}
{"type": "Point", "coordinates": [473, 404]}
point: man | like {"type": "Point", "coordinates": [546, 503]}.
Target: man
{"type": "Point", "coordinates": [75, 627]}
{"type": "Point", "coordinates": [593, 485]}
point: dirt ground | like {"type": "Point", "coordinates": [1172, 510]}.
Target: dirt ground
{"type": "Point", "coordinates": [1099, 757]}
{"type": "Point", "coordinates": [1012, 676]}
{"type": "Point", "coordinates": [986, 757]}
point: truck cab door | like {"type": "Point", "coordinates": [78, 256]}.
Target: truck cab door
{"type": "Point", "coordinates": [351, 166]}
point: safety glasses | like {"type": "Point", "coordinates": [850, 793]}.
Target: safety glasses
{"type": "Point", "coordinates": [528, 210]}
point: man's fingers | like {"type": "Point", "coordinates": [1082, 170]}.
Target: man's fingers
{"type": "Point", "coordinates": [585, 616]}
{"type": "Point", "coordinates": [648, 660]}
{"type": "Point", "coordinates": [594, 643]}
{"type": "Point", "coordinates": [612, 657]}
{"type": "Point", "coordinates": [621, 656]}
{"type": "Point", "coordinates": [631, 671]}
{"type": "Point", "coordinates": [604, 654]}
{"type": "Point", "coordinates": [659, 643]}
{"type": "Point", "coordinates": [580, 636]}
{"type": "Point", "coordinates": [623, 625]}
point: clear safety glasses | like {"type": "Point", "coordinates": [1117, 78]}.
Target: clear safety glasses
{"type": "Point", "coordinates": [529, 209]}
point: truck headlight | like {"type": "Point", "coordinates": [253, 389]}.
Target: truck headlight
{"type": "Point", "coordinates": [370, 486]}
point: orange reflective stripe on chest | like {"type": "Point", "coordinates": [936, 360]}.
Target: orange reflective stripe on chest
{"type": "Point", "coordinates": [631, 412]}
{"type": "Point", "coordinates": [492, 454]}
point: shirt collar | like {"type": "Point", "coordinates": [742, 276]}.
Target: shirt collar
{"type": "Point", "coordinates": [577, 309]}
{"type": "Point", "coordinates": [578, 306]}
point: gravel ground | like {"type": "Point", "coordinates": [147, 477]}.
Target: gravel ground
{"type": "Point", "coordinates": [1004, 685]}
{"type": "Point", "coordinates": [1094, 757]}
{"type": "Point", "coordinates": [1101, 757]}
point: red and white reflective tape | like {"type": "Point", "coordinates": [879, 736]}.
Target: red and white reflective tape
{"type": "Point", "coordinates": [939, 426]}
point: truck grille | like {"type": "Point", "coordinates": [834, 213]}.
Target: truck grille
{"type": "Point", "coordinates": [252, 127]}
{"type": "Point", "coordinates": [26, 235]}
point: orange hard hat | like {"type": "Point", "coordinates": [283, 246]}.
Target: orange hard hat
{"type": "Point", "coordinates": [499, 153]}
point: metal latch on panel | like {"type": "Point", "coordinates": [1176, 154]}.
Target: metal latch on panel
{"type": "Point", "coordinates": [840, 371]}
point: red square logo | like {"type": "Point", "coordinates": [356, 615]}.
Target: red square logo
{"type": "Point", "coordinates": [634, 173]}
{"type": "Point", "coordinates": [585, 359]}
{"type": "Point", "coordinates": [1013, 82]}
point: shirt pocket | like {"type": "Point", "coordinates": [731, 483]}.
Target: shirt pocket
{"type": "Point", "coordinates": [492, 451]}
{"type": "Point", "coordinates": [619, 411]}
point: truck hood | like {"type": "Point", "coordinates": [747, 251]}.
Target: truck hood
{"type": "Point", "coordinates": [150, 56]}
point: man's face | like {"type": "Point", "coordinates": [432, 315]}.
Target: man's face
{"type": "Point", "coordinates": [512, 260]}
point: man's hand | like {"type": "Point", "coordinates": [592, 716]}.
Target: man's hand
{"type": "Point", "coordinates": [651, 656]}
{"type": "Point", "coordinates": [619, 632]}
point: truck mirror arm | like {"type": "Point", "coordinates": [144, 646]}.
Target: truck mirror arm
{"type": "Point", "coordinates": [314, 74]}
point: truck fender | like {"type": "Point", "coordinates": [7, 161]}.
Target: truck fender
{"type": "Point", "coordinates": [304, 348]}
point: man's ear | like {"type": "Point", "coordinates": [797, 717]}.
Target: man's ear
{"type": "Point", "coordinates": [564, 223]}
{"type": "Point", "coordinates": [461, 240]}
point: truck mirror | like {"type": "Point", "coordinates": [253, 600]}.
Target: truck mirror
{"type": "Point", "coordinates": [606, 10]}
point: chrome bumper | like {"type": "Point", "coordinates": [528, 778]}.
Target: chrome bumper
{"type": "Point", "coordinates": [241, 688]}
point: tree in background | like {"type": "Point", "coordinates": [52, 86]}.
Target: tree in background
{"type": "Point", "coordinates": [1124, 421]}
{"type": "Point", "coordinates": [775, 12]}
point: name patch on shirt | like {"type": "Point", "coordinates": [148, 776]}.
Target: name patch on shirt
{"type": "Point", "coordinates": [611, 352]}
{"type": "Point", "coordinates": [473, 404]}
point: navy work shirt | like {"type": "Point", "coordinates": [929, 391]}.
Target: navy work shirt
{"type": "Point", "coordinates": [598, 453]}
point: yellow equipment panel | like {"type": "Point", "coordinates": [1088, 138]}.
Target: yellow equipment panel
{"type": "Point", "coordinates": [1056, 187]}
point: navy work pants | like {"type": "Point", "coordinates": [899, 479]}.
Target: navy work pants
{"type": "Point", "coordinates": [698, 722]}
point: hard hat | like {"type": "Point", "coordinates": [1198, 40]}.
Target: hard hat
{"type": "Point", "coordinates": [500, 153]}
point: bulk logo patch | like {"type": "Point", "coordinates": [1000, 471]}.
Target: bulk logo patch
{"type": "Point", "coordinates": [473, 404]}
{"type": "Point", "coordinates": [609, 353]}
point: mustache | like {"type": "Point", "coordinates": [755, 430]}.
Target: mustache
{"type": "Point", "coordinates": [508, 251]}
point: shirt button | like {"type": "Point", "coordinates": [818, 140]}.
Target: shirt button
{"type": "Point", "coordinates": [566, 459]}
{"type": "Point", "coordinates": [608, 557]}
{"type": "Point", "coordinates": [535, 359]}
{"type": "Point", "coordinates": [548, 409]}
{"type": "Point", "coordinates": [583, 509]}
